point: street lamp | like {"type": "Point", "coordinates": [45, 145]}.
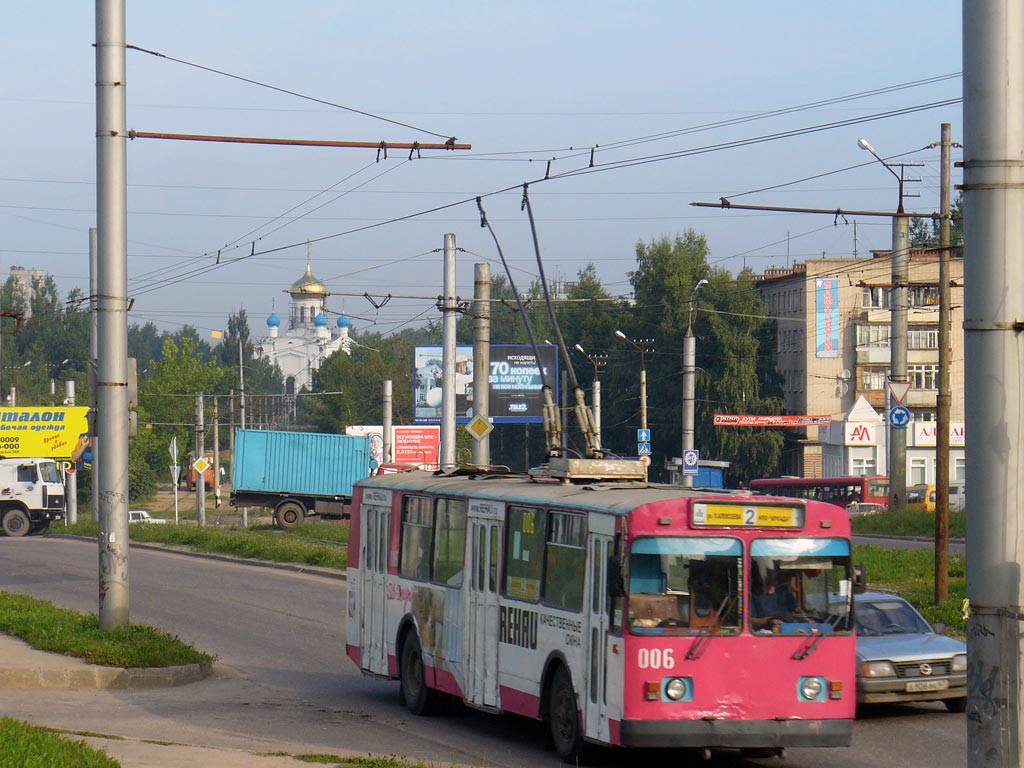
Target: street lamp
{"type": "Point", "coordinates": [645, 346]}
{"type": "Point", "coordinates": [599, 361]}
{"type": "Point", "coordinates": [900, 262]}
{"type": "Point", "coordinates": [689, 374]}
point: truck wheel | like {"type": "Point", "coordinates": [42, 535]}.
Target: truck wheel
{"type": "Point", "coordinates": [16, 523]}
{"type": "Point", "coordinates": [289, 513]}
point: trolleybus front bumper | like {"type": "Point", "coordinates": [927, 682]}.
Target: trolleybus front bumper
{"type": "Point", "coordinates": [736, 734]}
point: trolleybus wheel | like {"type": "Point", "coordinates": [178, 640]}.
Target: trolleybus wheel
{"type": "Point", "coordinates": [418, 697]}
{"type": "Point", "coordinates": [16, 523]}
{"type": "Point", "coordinates": [289, 513]}
{"type": "Point", "coordinates": [563, 718]}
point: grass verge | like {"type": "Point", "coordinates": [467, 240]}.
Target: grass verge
{"type": "Point", "coordinates": [48, 628]}
{"type": "Point", "coordinates": [323, 544]}
{"type": "Point", "coordinates": [902, 522]}
{"type": "Point", "coordinates": [28, 746]}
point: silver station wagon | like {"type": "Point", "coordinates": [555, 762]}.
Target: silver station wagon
{"type": "Point", "coordinates": [901, 658]}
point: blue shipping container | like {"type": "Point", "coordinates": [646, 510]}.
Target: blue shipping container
{"type": "Point", "coordinates": [306, 463]}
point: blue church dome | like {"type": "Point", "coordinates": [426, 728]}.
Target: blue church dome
{"type": "Point", "coordinates": [273, 321]}
{"type": "Point", "coordinates": [320, 321]}
{"type": "Point", "coordinates": [344, 322]}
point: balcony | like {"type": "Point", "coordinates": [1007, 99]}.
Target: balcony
{"type": "Point", "coordinates": [872, 355]}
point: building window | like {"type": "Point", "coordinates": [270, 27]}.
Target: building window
{"type": "Point", "coordinates": [874, 297]}
{"type": "Point", "coordinates": [923, 338]}
{"type": "Point", "coordinates": [924, 296]}
{"type": "Point", "coordinates": [924, 376]}
{"type": "Point", "coordinates": [873, 336]}
{"type": "Point", "coordinates": [918, 471]}
{"type": "Point", "coordinates": [960, 469]}
{"type": "Point", "coordinates": [873, 379]}
{"type": "Point", "coordinates": [924, 415]}
{"type": "Point", "coordinates": [864, 465]}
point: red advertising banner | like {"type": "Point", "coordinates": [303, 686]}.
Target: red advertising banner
{"type": "Point", "coordinates": [749, 420]}
{"type": "Point", "coordinates": [417, 445]}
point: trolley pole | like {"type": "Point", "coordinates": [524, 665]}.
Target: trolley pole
{"type": "Point", "coordinates": [993, 87]}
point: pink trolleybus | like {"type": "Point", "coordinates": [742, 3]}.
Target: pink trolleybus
{"type": "Point", "coordinates": [626, 614]}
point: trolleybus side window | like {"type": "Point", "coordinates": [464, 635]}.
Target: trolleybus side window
{"type": "Point", "coordinates": [524, 552]}
{"type": "Point", "coordinates": [816, 572]}
{"type": "Point", "coordinates": [417, 533]}
{"type": "Point", "coordinates": [449, 541]}
{"type": "Point", "coordinates": [681, 584]}
{"type": "Point", "coordinates": [565, 561]}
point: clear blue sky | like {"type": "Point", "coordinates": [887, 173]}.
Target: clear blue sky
{"type": "Point", "coordinates": [522, 82]}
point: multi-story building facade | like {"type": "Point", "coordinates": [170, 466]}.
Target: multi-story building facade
{"type": "Point", "coordinates": [833, 320]}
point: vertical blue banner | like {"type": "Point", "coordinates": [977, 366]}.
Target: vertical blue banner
{"type": "Point", "coordinates": [827, 316]}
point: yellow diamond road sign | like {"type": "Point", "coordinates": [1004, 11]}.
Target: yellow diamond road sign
{"type": "Point", "coordinates": [200, 464]}
{"type": "Point", "coordinates": [478, 427]}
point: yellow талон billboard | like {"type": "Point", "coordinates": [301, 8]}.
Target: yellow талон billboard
{"type": "Point", "coordinates": [42, 432]}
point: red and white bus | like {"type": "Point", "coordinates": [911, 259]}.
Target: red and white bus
{"type": "Point", "coordinates": [621, 613]}
{"type": "Point", "coordinates": [866, 489]}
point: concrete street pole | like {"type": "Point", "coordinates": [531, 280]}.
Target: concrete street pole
{"type": "Point", "coordinates": [482, 357]}
{"type": "Point", "coordinates": [71, 478]}
{"type": "Point", "coordinates": [898, 352]}
{"type": "Point", "coordinates": [993, 87]}
{"type": "Point", "coordinates": [387, 449]}
{"type": "Point", "coordinates": [200, 454]}
{"type": "Point", "coordinates": [689, 374]}
{"type": "Point", "coordinates": [112, 309]}
{"type": "Point", "coordinates": [449, 309]}
{"type": "Point", "coordinates": [944, 400]}
{"type": "Point", "coordinates": [93, 354]}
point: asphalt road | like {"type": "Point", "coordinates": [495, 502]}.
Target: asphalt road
{"type": "Point", "coordinates": [285, 683]}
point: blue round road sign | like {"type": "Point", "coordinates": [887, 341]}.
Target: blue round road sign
{"type": "Point", "coordinates": [899, 416]}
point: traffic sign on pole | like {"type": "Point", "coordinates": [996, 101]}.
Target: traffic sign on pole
{"type": "Point", "coordinates": [643, 449]}
{"type": "Point", "coordinates": [691, 461]}
{"type": "Point", "coordinates": [899, 416]}
{"type": "Point", "coordinates": [898, 390]}
{"type": "Point", "coordinates": [643, 435]}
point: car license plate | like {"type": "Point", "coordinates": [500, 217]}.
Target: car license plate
{"type": "Point", "coordinates": [927, 685]}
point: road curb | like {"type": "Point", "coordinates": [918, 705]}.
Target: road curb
{"type": "Point", "coordinates": [309, 570]}
{"type": "Point", "coordinates": [113, 678]}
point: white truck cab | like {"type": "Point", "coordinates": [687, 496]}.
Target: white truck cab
{"type": "Point", "coordinates": [31, 495]}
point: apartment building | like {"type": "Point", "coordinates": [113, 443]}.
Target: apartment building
{"type": "Point", "coordinates": [832, 320]}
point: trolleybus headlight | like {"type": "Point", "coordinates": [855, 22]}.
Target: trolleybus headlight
{"type": "Point", "coordinates": [959, 663]}
{"type": "Point", "coordinates": [811, 688]}
{"type": "Point", "coordinates": [676, 688]}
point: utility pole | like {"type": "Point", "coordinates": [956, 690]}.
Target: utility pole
{"type": "Point", "coordinates": [898, 352]}
{"type": "Point", "coordinates": [944, 398]}
{"type": "Point", "coordinates": [71, 477]}
{"type": "Point", "coordinates": [599, 362]}
{"type": "Point", "coordinates": [200, 454]}
{"type": "Point", "coordinates": [387, 449]}
{"type": "Point", "coordinates": [216, 457]}
{"type": "Point", "coordinates": [482, 357]}
{"type": "Point", "coordinates": [689, 388]}
{"type": "Point", "coordinates": [93, 354]}
{"type": "Point", "coordinates": [993, 88]}
{"type": "Point", "coordinates": [448, 310]}
{"type": "Point", "coordinates": [112, 309]}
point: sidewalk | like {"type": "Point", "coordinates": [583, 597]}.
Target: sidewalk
{"type": "Point", "coordinates": [25, 668]}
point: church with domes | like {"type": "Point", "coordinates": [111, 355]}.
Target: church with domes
{"type": "Point", "coordinates": [309, 338]}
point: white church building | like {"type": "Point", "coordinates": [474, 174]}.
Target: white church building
{"type": "Point", "coordinates": [309, 338]}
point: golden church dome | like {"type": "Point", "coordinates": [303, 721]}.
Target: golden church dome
{"type": "Point", "coordinates": [308, 284]}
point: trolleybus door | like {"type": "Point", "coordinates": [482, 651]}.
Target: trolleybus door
{"type": "Point", "coordinates": [480, 648]}
{"type": "Point", "coordinates": [595, 702]}
{"type": "Point", "coordinates": [373, 649]}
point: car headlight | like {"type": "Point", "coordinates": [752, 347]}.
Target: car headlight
{"type": "Point", "coordinates": [675, 689]}
{"type": "Point", "coordinates": [877, 669]}
{"type": "Point", "coordinates": [811, 688]}
{"type": "Point", "coordinates": [959, 663]}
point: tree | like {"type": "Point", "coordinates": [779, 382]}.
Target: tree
{"type": "Point", "coordinates": [925, 233]}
